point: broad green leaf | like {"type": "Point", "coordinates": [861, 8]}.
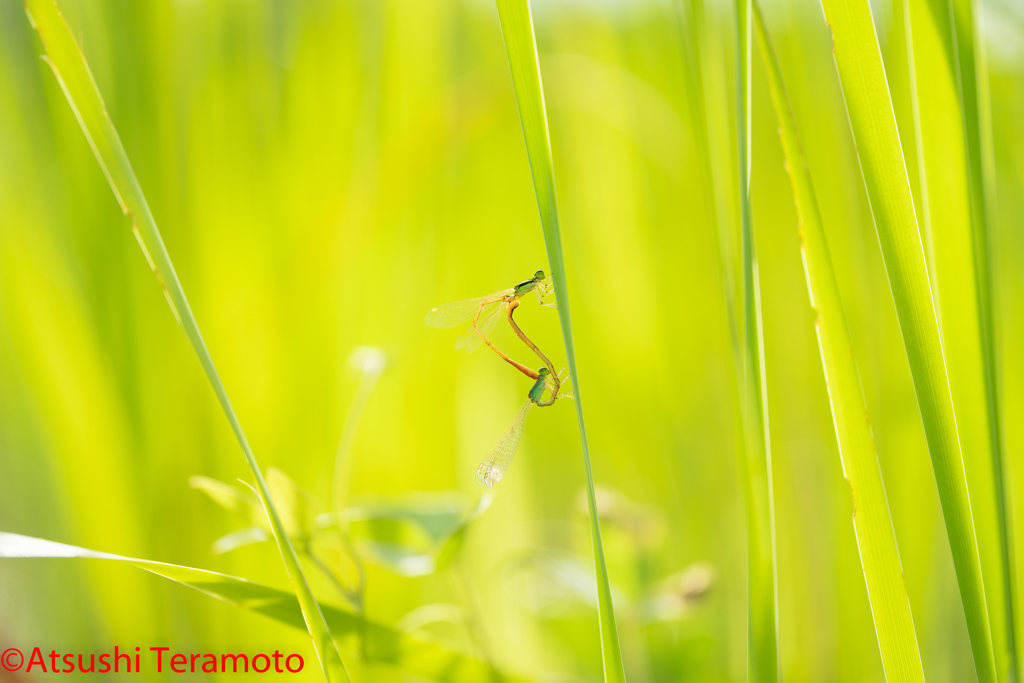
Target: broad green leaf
{"type": "Point", "coordinates": [879, 555]}
{"type": "Point", "coordinates": [432, 613]}
{"type": "Point", "coordinates": [72, 73]}
{"type": "Point", "coordinates": [957, 260]}
{"type": "Point", "coordinates": [418, 655]}
{"type": "Point", "coordinates": [397, 558]}
{"type": "Point", "coordinates": [433, 516]}
{"type": "Point", "coordinates": [415, 534]}
{"type": "Point", "coordinates": [868, 104]}
{"type": "Point", "coordinates": [412, 534]}
{"type": "Point", "coordinates": [521, 49]}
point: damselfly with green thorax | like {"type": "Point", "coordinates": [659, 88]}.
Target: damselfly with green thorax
{"type": "Point", "coordinates": [493, 468]}
{"type": "Point", "coordinates": [484, 312]}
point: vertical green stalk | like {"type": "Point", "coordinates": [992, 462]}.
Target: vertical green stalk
{"type": "Point", "coordinates": [762, 627]}
{"type": "Point", "coordinates": [370, 363]}
{"type": "Point", "coordinates": [762, 643]}
{"type": "Point", "coordinates": [524, 65]}
{"type": "Point", "coordinates": [876, 541]}
{"type": "Point", "coordinates": [873, 123]}
{"type": "Point", "coordinates": [72, 73]}
{"type": "Point", "coordinates": [697, 55]}
{"type": "Point", "coordinates": [972, 79]}
{"type": "Point", "coordinates": [958, 251]}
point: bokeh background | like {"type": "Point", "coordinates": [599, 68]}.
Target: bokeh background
{"type": "Point", "coordinates": [324, 172]}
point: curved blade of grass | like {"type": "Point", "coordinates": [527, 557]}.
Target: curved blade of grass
{"type": "Point", "coordinates": [763, 616]}
{"type": "Point", "coordinates": [385, 645]}
{"type": "Point", "coordinates": [958, 256]}
{"type": "Point", "coordinates": [69, 66]}
{"type": "Point", "coordinates": [862, 77]}
{"type": "Point", "coordinates": [872, 523]}
{"type": "Point", "coordinates": [521, 48]}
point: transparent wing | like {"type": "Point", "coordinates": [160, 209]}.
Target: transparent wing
{"type": "Point", "coordinates": [456, 313]}
{"type": "Point", "coordinates": [469, 339]}
{"type": "Point", "coordinates": [492, 469]}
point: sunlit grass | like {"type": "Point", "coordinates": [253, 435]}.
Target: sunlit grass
{"type": "Point", "coordinates": [521, 47]}
{"type": "Point", "coordinates": [68, 63]}
{"type": "Point", "coordinates": [885, 176]}
{"type": "Point", "coordinates": [876, 541]}
{"type": "Point", "coordinates": [324, 172]}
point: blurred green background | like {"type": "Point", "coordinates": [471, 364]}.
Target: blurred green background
{"type": "Point", "coordinates": [324, 172]}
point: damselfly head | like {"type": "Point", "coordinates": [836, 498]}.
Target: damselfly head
{"type": "Point", "coordinates": [539, 275]}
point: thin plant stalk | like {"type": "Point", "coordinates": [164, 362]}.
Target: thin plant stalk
{"type": "Point", "coordinates": [370, 363]}
{"type": "Point", "coordinates": [762, 618]}
{"type": "Point", "coordinates": [869, 107]}
{"type": "Point", "coordinates": [872, 523]}
{"type": "Point", "coordinates": [521, 49]}
{"type": "Point", "coordinates": [471, 607]}
{"type": "Point", "coordinates": [68, 63]}
{"type": "Point", "coordinates": [762, 643]}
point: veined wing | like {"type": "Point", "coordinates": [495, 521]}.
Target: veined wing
{"type": "Point", "coordinates": [458, 312]}
{"type": "Point", "coordinates": [492, 469]}
{"type": "Point", "coordinates": [490, 316]}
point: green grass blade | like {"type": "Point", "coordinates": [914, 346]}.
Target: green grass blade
{"type": "Point", "coordinates": [876, 541]}
{"type": "Point", "coordinates": [521, 48]}
{"type": "Point", "coordinates": [762, 618]}
{"type": "Point", "coordinates": [419, 657]}
{"type": "Point", "coordinates": [869, 107]}
{"type": "Point", "coordinates": [972, 78]}
{"type": "Point", "coordinates": [958, 255]}
{"type": "Point", "coordinates": [69, 66]}
{"type": "Point", "coordinates": [753, 456]}
{"type": "Point", "coordinates": [699, 60]}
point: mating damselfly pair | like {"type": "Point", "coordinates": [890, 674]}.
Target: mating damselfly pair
{"type": "Point", "coordinates": [483, 313]}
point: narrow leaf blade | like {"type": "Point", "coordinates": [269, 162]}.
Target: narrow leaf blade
{"type": "Point", "coordinates": [69, 67]}
{"type": "Point", "coordinates": [958, 257]}
{"type": "Point", "coordinates": [524, 65]}
{"type": "Point", "coordinates": [385, 645]}
{"type": "Point", "coordinates": [876, 541]}
{"type": "Point", "coordinates": [869, 106]}
{"type": "Point", "coordinates": [763, 615]}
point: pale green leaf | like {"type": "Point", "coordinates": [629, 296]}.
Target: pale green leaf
{"type": "Point", "coordinates": [868, 104]}
{"type": "Point", "coordinates": [239, 539]}
{"type": "Point", "coordinates": [876, 541]}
